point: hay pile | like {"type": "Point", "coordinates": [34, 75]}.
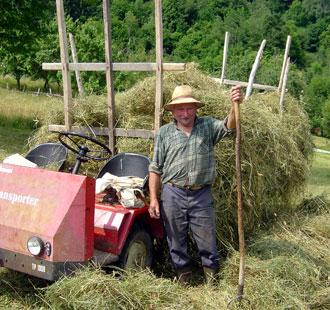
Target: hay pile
{"type": "Point", "coordinates": [275, 149]}
{"type": "Point", "coordinates": [287, 268]}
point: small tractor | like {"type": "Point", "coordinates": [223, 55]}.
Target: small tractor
{"type": "Point", "coordinates": [53, 222]}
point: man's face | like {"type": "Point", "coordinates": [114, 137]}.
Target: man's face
{"type": "Point", "coordinates": [185, 114]}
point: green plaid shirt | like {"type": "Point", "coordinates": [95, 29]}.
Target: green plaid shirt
{"type": "Point", "coordinates": [184, 160]}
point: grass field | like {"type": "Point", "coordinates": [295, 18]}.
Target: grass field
{"type": "Point", "coordinates": [321, 143]}
{"type": "Point", "coordinates": [20, 106]}
{"type": "Point", "coordinates": [319, 180]}
{"type": "Point", "coordinates": [9, 83]}
{"type": "Point", "coordinates": [287, 267]}
{"type": "Point", "coordinates": [20, 114]}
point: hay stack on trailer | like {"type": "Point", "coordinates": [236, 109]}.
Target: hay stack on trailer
{"type": "Point", "coordinates": [275, 148]}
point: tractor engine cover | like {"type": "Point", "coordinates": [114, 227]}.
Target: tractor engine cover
{"type": "Point", "coordinates": [57, 208]}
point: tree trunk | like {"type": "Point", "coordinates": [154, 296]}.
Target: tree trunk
{"type": "Point", "coordinates": [46, 84]}
{"type": "Point", "coordinates": [18, 82]}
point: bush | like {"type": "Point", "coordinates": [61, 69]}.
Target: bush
{"type": "Point", "coordinates": [326, 118]}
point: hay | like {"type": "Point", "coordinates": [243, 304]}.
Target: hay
{"type": "Point", "coordinates": [286, 268]}
{"type": "Point", "coordinates": [275, 150]}
{"type": "Point", "coordinates": [93, 289]}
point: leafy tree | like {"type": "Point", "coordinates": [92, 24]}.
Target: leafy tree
{"type": "Point", "coordinates": [316, 93]}
{"type": "Point", "coordinates": [89, 39]}
{"type": "Point", "coordinates": [83, 9]}
{"type": "Point", "coordinates": [47, 50]}
{"type": "Point", "coordinates": [324, 51]}
{"type": "Point", "coordinates": [326, 118]}
{"type": "Point", "coordinates": [20, 23]}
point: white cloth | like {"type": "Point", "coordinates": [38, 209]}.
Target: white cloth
{"type": "Point", "coordinates": [19, 160]}
{"type": "Point", "coordinates": [127, 187]}
{"type": "Point", "coordinates": [117, 183]}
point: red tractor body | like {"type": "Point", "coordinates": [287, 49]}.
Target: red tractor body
{"type": "Point", "coordinates": [60, 210]}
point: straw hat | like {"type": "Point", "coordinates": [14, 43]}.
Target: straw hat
{"type": "Point", "coordinates": [182, 94]}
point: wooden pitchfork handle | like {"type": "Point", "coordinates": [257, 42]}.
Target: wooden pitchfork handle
{"type": "Point", "coordinates": [240, 287]}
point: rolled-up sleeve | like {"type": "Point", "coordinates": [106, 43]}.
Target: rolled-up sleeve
{"type": "Point", "coordinates": [157, 162]}
{"type": "Point", "coordinates": [220, 129]}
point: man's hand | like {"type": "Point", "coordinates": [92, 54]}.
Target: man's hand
{"type": "Point", "coordinates": [236, 94]}
{"type": "Point", "coordinates": [154, 209]}
{"type": "Point", "coordinates": [154, 185]}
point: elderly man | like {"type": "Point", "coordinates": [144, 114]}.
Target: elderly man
{"type": "Point", "coordinates": [184, 163]}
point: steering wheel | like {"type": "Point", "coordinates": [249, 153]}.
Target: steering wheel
{"type": "Point", "coordinates": [81, 149]}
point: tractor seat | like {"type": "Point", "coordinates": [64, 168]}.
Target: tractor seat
{"type": "Point", "coordinates": [127, 164]}
{"type": "Point", "coordinates": [51, 155]}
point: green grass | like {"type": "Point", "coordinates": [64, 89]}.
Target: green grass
{"type": "Point", "coordinates": [319, 180]}
{"type": "Point", "coordinates": [8, 82]}
{"type": "Point", "coordinates": [15, 105]}
{"type": "Point", "coordinates": [13, 140]}
{"type": "Point", "coordinates": [321, 143]}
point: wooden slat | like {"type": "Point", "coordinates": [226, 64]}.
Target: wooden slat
{"type": "Point", "coordinates": [116, 66]}
{"type": "Point", "coordinates": [67, 91]}
{"type": "Point", "coordinates": [134, 133]}
{"type": "Point", "coordinates": [245, 84]}
{"type": "Point", "coordinates": [108, 73]}
{"type": "Point", "coordinates": [98, 131]}
{"type": "Point", "coordinates": [285, 58]}
{"type": "Point", "coordinates": [224, 59]}
{"type": "Point", "coordinates": [254, 69]}
{"type": "Point", "coordinates": [159, 62]}
{"type": "Point", "coordinates": [285, 78]}
{"type": "Point", "coordinates": [75, 60]}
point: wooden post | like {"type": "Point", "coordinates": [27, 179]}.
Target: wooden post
{"type": "Point", "coordinates": [108, 61]}
{"type": "Point", "coordinates": [285, 79]}
{"type": "Point", "coordinates": [159, 62]}
{"type": "Point", "coordinates": [67, 92]}
{"type": "Point", "coordinates": [224, 59]}
{"type": "Point", "coordinates": [285, 58]}
{"type": "Point", "coordinates": [254, 69]}
{"type": "Point", "coordinates": [75, 60]}
{"type": "Point", "coordinates": [240, 221]}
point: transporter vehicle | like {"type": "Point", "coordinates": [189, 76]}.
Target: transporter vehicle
{"type": "Point", "coordinates": [52, 222]}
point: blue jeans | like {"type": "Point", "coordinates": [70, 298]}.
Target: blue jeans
{"type": "Point", "coordinates": [182, 209]}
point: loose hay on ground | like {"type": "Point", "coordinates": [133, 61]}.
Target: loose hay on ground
{"type": "Point", "coordinates": [283, 270]}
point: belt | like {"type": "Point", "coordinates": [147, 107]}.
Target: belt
{"type": "Point", "coordinates": [188, 187]}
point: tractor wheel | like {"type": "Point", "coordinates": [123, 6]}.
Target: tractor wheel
{"type": "Point", "coordinates": [137, 252]}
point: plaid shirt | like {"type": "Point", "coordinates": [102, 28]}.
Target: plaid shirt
{"type": "Point", "coordinates": [184, 160]}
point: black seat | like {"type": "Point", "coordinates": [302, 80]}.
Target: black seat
{"type": "Point", "coordinates": [52, 155]}
{"type": "Point", "coordinates": [127, 164]}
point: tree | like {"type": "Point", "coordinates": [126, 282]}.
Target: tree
{"type": "Point", "coordinates": [316, 93]}
{"type": "Point", "coordinates": [83, 9]}
{"type": "Point", "coordinates": [21, 22]}
{"type": "Point", "coordinates": [326, 118]}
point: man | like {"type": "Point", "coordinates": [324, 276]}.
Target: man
{"type": "Point", "coordinates": [184, 163]}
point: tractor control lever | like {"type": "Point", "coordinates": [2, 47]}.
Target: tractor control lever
{"type": "Point", "coordinates": [81, 157]}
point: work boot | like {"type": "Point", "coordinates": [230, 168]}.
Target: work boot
{"type": "Point", "coordinates": [209, 275]}
{"type": "Point", "coordinates": [184, 276]}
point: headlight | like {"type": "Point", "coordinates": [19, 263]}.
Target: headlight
{"type": "Point", "coordinates": [35, 245]}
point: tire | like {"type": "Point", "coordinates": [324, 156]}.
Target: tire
{"type": "Point", "coordinates": [137, 252]}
